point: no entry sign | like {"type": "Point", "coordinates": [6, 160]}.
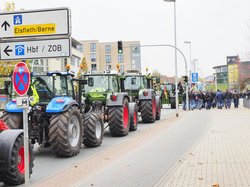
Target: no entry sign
{"type": "Point", "coordinates": [21, 78]}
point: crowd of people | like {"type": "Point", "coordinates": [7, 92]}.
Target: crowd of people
{"type": "Point", "coordinates": [209, 99]}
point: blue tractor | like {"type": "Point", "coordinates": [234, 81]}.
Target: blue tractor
{"type": "Point", "coordinates": [57, 119]}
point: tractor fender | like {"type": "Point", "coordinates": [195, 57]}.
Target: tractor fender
{"type": "Point", "coordinates": [149, 96]}
{"type": "Point", "coordinates": [11, 106]}
{"type": "Point", "coordinates": [60, 104]}
{"type": "Point", "coordinates": [7, 140]}
{"type": "Point", "coordinates": [119, 99]}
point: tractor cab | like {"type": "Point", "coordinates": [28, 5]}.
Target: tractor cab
{"type": "Point", "coordinates": [99, 85]}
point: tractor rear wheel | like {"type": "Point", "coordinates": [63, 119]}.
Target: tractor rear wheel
{"type": "Point", "coordinates": [13, 120]}
{"type": "Point", "coordinates": [93, 130]}
{"type": "Point", "coordinates": [16, 174]}
{"type": "Point", "coordinates": [118, 119]}
{"type": "Point", "coordinates": [148, 110]}
{"type": "Point", "coordinates": [65, 133]}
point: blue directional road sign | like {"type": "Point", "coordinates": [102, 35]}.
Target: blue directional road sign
{"type": "Point", "coordinates": [194, 77]}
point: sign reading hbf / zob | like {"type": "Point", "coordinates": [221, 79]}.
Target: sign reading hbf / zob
{"type": "Point", "coordinates": [21, 78]}
{"type": "Point", "coordinates": [46, 22]}
{"type": "Point", "coordinates": [33, 49]}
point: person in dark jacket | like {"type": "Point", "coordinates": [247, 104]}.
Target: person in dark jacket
{"type": "Point", "coordinates": [219, 99]}
{"type": "Point", "coordinates": [228, 97]}
{"type": "Point", "coordinates": [208, 100]}
{"type": "Point", "coordinates": [236, 97]}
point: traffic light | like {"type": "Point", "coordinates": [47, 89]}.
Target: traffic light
{"type": "Point", "coordinates": [185, 79]}
{"type": "Point", "coordinates": [120, 48]}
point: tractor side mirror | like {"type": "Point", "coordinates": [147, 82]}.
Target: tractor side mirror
{"type": "Point", "coordinates": [90, 82]}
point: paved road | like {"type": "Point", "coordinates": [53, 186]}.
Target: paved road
{"type": "Point", "coordinates": [145, 165]}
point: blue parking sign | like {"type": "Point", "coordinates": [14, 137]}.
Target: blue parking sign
{"type": "Point", "coordinates": [19, 50]}
{"type": "Point", "coordinates": [194, 77]}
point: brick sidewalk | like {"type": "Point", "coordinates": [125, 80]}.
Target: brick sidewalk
{"type": "Point", "coordinates": [221, 158]}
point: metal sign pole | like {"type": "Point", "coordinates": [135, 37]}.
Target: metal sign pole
{"type": "Point", "coordinates": [26, 145]}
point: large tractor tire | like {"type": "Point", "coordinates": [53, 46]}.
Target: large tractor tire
{"type": "Point", "coordinates": [158, 109]}
{"type": "Point", "coordinates": [15, 175]}
{"type": "Point", "coordinates": [93, 130]}
{"type": "Point", "coordinates": [65, 133]}
{"type": "Point", "coordinates": [133, 115]}
{"type": "Point", "coordinates": [13, 120]}
{"type": "Point", "coordinates": [148, 110]}
{"type": "Point", "coordinates": [118, 119]}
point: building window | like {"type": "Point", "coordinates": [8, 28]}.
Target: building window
{"type": "Point", "coordinates": [120, 58]}
{"type": "Point", "coordinates": [79, 48]}
{"type": "Point", "coordinates": [93, 57]}
{"type": "Point", "coordinates": [93, 67]}
{"type": "Point", "coordinates": [93, 47]}
{"type": "Point", "coordinates": [107, 48]}
{"type": "Point", "coordinates": [108, 67]}
{"type": "Point", "coordinates": [108, 58]}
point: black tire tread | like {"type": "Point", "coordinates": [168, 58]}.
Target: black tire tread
{"type": "Point", "coordinates": [58, 138]}
{"type": "Point", "coordinates": [89, 123]}
{"type": "Point", "coordinates": [13, 120]}
{"type": "Point", "coordinates": [115, 120]}
{"type": "Point", "coordinates": [147, 111]}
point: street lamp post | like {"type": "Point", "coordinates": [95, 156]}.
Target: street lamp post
{"type": "Point", "coordinates": [176, 75]}
{"type": "Point", "coordinates": [190, 55]}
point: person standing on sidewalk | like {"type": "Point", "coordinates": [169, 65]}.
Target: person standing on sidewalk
{"type": "Point", "coordinates": [236, 97]}
{"type": "Point", "coordinates": [184, 105]}
{"type": "Point", "coordinates": [199, 100]}
{"type": "Point", "coordinates": [228, 97]}
{"type": "Point", "coordinates": [191, 100]}
{"type": "Point", "coordinates": [208, 99]}
{"type": "Point", "coordinates": [219, 99]}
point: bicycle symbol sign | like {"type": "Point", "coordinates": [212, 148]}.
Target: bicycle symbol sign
{"type": "Point", "coordinates": [21, 78]}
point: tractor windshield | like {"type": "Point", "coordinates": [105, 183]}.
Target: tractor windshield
{"type": "Point", "coordinates": [135, 83]}
{"type": "Point", "coordinates": [101, 83]}
{"type": "Point", "coordinates": [49, 86]}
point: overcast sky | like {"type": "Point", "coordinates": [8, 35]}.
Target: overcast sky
{"type": "Point", "coordinates": [216, 28]}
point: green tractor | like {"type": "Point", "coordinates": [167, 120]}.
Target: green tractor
{"type": "Point", "coordinates": [147, 101]}
{"type": "Point", "coordinates": [103, 96]}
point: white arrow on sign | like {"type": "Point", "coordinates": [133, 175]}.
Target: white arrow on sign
{"type": "Point", "coordinates": [47, 22]}
{"type": "Point", "coordinates": [33, 49]}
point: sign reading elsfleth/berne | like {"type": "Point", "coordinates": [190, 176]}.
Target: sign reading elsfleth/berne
{"type": "Point", "coordinates": [47, 22]}
{"type": "Point", "coordinates": [33, 49]}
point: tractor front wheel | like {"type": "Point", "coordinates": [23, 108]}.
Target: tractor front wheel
{"type": "Point", "coordinates": [65, 133]}
{"type": "Point", "coordinates": [93, 130]}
